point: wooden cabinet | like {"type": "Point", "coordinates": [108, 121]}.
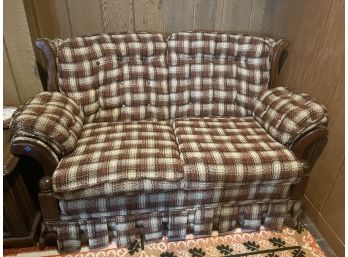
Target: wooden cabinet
{"type": "Point", "coordinates": [21, 214]}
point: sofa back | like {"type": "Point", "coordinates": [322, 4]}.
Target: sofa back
{"type": "Point", "coordinates": [119, 77]}
{"type": "Point", "coordinates": [115, 77]}
{"type": "Point", "coordinates": [217, 74]}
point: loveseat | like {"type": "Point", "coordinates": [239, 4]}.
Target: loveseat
{"type": "Point", "coordinates": [139, 136]}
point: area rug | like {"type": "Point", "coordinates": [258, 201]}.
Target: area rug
{"type": "Point", "coordinates": [286, 243]}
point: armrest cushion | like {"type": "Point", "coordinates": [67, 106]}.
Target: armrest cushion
{"type": "Point", "coordinates": [52, 118]}
{"type": "Point", "coordinates": [287, 115]}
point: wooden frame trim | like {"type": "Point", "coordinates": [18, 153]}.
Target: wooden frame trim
{"type": "Point", "coordinates": [48, 161]}
{"type": "Point", "coordinates": [37, 150]}
{"type": "Point", "coordinates": [44, 45]}
{"type": "Point", "coordinates": [276, 63]}
{"type": "Point", "coordinates": [307, 148]}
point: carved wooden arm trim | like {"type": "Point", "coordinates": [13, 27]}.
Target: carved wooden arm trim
{"type": "Point", "coordinates": [308, 147]}
{"type": "Point", "coordinates": [277, 63]}
{"type": "Point", "coordinates": [37, 150]}
{"type": "Point", "coordinates": [44, 45]}
{"type": "Point", "coordinates": [48, 160]}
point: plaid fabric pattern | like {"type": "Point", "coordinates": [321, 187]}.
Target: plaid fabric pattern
{"type": "Point", "coordinates": [175, 224]}
{"type": "Point", "coordinates": [97, 232]}
{"type": "Point", "coordinates": [52, 118]}
{"type": "Point", "coordinates": [162, 201]}
{"type": "Point", "coordinates": [215, 74]}
{"type": "Point", "coordinates": [286, 115]}
{"type": "Point", "coordinates": [232, 150]}
{"type": "Point", "coordinates": [68, 237]}
{"type": "Point", "coordinates": [227, 218]}
{"type": "Point", "coordinates": [115, 76]}
{"type": "Point", "coordinates": [144, 152]}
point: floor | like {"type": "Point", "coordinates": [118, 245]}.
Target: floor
{"type": "Point", "coordinates": [318, 237]}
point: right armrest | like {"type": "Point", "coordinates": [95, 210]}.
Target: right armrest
{"type": "Point", "coordinates": [287, 116]}
{"type": "Point", "coordinates": [52, 118]}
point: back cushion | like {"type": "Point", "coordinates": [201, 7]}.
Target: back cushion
{"type": "Point", "coordinates": [115, 77]}
{"type": "Point", "coordinates": [216, 74]}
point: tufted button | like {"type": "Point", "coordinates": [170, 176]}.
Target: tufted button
{"type": "Point", "coordinates": [123, 105]}
{"type": "Point", "coordinates": [148, 105]}
{"type": "Point", "coordinates": [97, 63]}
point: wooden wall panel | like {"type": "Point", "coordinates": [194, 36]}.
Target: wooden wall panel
{"type": "Point", "coordinates": [52, 17]}
{"type": "Point", "coordinates": [66, 18]}
{"type": "Point", "coordinates": [148, 15]}
{"type": "Point", "coordinates": [256, 16]}
{"type": "Point", "coordinates": [236, 15]}
{"type": "Point", "coordinates": [205, 15]}
{"type": "Point", "coordinates": [117, 15]}
{"type": "Point", "coordinates": [333, 212]}
{"type": "Point", "coordinates": [9, 89]}
{"type": "Point", "coordinates": [315, 64]}
{"type": "Point", "coordinates": [302, 24]}
{"type": "Point", "coordinates": [84, 17]}
{"type": "Point", "coordinates": [329, 163]}
{"type": "Point", "coordinates": [20, 51]}
{"type": "Point", "coordinates": [178, 15]}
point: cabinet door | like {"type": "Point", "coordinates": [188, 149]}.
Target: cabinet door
{"type": "Point", "coordinates": [18, 210]}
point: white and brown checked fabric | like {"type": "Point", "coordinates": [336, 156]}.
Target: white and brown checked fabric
{"type": "Point", "coordinates": [115, 77]}
{"type": "Point", "coordinates": [176, 223]}
{"type": "Point", "coordinates": [52, 118]}
{"type": "Point", "coordinates": [113, 158]}
{"type": "Point", "coordinates": [215, 74]}
{"type": "Point", "coordinates": [286, 115]}
{"type": "Point", "coordinates": [232, 151]}
{"type": "Point", "coordinates": [131, 204]}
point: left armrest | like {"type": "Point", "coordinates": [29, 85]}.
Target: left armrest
{"type": "Point", "coordinates": [287, 116]}
{"type": "Point", "coordinates": [52, 118]}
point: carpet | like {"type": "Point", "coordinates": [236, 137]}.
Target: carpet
{"type": "Point", "coordinates": [286, 243]}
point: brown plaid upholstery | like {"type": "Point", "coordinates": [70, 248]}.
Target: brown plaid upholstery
{"type": "Point", "coordinates": [161, 201]}
{"type": "Point", "coordinates": [51, 117]}
{"type": "Point", "coordinates": [142, 154]}
{"type": "Point", "coordinates": [115, 76]}
{"type": "Point", "coordinates": [232, 150]}
{"type": "Point", "coordinates": [286, 115]}
{"type": "Point", "coordinates": [216, 74]}
{"type": "Point", "coordinates": [176, 223]}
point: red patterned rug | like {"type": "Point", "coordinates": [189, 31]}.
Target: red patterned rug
{"type": "Point", "coordinates": [287, 243]}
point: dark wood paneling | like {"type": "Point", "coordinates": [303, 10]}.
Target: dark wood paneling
{"type": "Point", "coordinates": [315, 30]}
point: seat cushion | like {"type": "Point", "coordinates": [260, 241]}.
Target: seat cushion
{"type": "Point", "coordinates": [232, 150]}
{"type": "Point", "coordinates": [112, 158]}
